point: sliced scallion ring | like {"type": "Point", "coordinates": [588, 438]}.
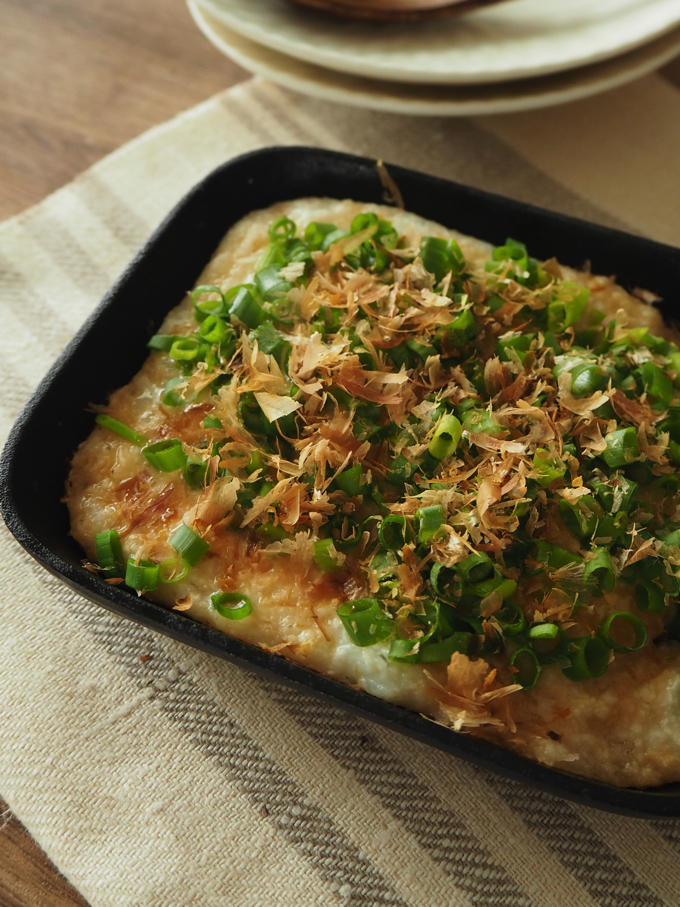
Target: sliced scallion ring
{"type": "Point", "coordinates": [189, 544]}
{"type": "Point", "coordinates": [173, 570]}
{"type": "Point", "coordinates": [142, 575]}
{"type": "Point", "coordinates": [511, 619]}
{"type": "Point", "coordinates": [365, 621]}
{"type": "Point", "coordinates": [549, 642]}
{"type": "Point", "coordinates": [446, 437]}
{"type": "Point", "coordinates": [475, 567]}
{"type": "Point", "coordinates": [525, 667]}
{"type": "Point", "coordinates": [186, 349]}
{"type": "Point", "coordinates": [623, 632]}
{"type": "Point", "coordinates": [649, 596]}
{"type": "Point", "coordinates": [232, 605]}
{"type": "Point", "coordinates": [588, 657]}
{"type": "Point", "coordinates": [168, 455]}
{"type": "Point", "coordinates": [392, 532]}
{"type": "Point", "coordinates": [110, 553]}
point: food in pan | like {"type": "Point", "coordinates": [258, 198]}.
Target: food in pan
{"type": "Point", "coordinates": [442, 472]}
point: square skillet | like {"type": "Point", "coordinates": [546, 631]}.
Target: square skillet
{"type": "Point", "coordinates": [111, 347]}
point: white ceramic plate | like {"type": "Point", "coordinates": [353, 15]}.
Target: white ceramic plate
{"type": "Point", "coordinates": [515, 39]}
{"type": "Point", "coordinates": [435, 100]}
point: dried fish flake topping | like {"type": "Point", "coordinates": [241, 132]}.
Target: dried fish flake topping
{"type": "Point", "coordinates": [480, 453]}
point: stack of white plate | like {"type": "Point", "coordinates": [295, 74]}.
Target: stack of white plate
{"type": "Point", "coordinates": [516, 55]}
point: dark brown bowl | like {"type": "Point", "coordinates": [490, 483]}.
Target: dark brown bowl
{"type": "Point", "coordinates": [394, 10]}
{"type": "Point", "coordinates": [111, 347]}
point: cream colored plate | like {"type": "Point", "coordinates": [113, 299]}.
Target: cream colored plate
{"type": "Point", "coordinates": [435, 100]}
{"type": "Point", "coordinates": [516, 39]}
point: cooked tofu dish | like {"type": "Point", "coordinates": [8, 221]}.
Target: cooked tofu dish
{"type": "Point", "coordinates": [436, 470]}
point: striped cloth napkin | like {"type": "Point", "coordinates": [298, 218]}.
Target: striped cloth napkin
{"type": "Point", "coordinates": [152, 774]}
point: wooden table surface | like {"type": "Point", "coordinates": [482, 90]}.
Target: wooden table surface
{"type": "Point", "coordinates": [78, 79]}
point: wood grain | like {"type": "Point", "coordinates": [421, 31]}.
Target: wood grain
{"type": "Point", "coordinates": [27, 878]}
{"type": "Point", "coordinates": [80, 78]}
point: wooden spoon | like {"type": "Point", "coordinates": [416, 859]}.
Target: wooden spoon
{"type": "Point", "coordinates": [395, 10]}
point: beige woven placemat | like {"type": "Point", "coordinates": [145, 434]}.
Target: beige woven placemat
{"type": "Point", "coordinates": [180, 780]}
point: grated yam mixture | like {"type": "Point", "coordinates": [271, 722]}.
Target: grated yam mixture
{"type": "Point", "coordinates": [511, 421]}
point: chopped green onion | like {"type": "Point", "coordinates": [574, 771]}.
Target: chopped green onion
{"type": "Point", "coordinates": [568, 305]}
{"type": "Point", "coordinates": [547, 467]}
{"type": "Point", "coordinates": [270, 285]}
{"type": "Point", "coordinates": [195, 473]}
{"type": "Point", "coordinates": [586, 379]}
{"type": "Point", "coordinates": [232, 605]}
{"type": "Point", "coordinates": [212, 422]}
{"type": "Point", "coordinates": [463, 328]}
{"type": "Point", "coordinates": [422, 350]}
{"type": "Point", "coordinates": [173, 570]}
{"type": "Point", "coordinates": [214, 329]}
{"type": "Point", "coordinates": [281, 229]}
{"type": "Point", "coordinates": [167, 455]}
{"type": "Point", "coordinates": [481, 421]}
{"type": "Point", "coordinates": [429, 520]}
{"type": "Point", "coordinates": [446, 437]}
{"type": "Point", "coordinates": [365, 621]}
{"type": "Point", "coordinates": [514, 251]}
{"type": "Point", "coordinates": [255, 462]}
{"type": "Point", "coordinates": [623, 622]}
{"type": "Point", "coordinates": [316, 233]}
{"type": "Point", "coordinates": [445, 582]}
{"type": "Point", "coordinates": [170, 396]}
{"type": "Point", "coordinates": [622, 447]}
{"type": "Point", "coordinates": [549, 642]}
{"type": "Point", "coordinates": [588, 657]}
{"type": "Point", "coordinates": [475, 567]}
{"type": "Point", "coordinates": [142, 576]}
{"type": "Point", "coordinates": [208, 300]}
{"type": "Point", "coordinates": [189, 544]}
{"type": "Point", "coordinates": [247, 309]}
{"type": "Point", "coordinates": [347, 532]}
{"type": "Point", "coordinates": [649, 596]}
{"type": "Point", "coordinates": [363, 222]}
{"type": "Point", "coordinates": [326, 556]}
{"type": "Point", "coordinates": [349, 481]}
{"type": "Point", "coordinates": [432, 652]}
{"type": "Point", "coordinates": [162, 342]}
{"type": "Point", "coordinates": [110, 553]}
{"type": "Point", "coordinates": [120, 429]}
{"type": "Point", "coordinates": [187, 349]}
{"type": "Point", "coordinates": [657, 383]}
{"type": "Point", "coordinates": [674, 365]}
{"type": "Point", "coordinates": [440, 256]}
{"type": "Point", "coordinates": [505, 589]}
{"type": "Point", "coordinates": [582, 517]}
{"type": "Point", "coordinates": [401, 470]}
{"type": "Point", "coordinates": [333, 237]}
{"type": "Point", "coordinates": [392, 532]}
{"type": "Point", "coordinates": [616, 493]}
{"type": "Point", "coordinates": [525, 667]}
{"type": "Point", "coordinates": [512, 619]}
{"type": "Point", "coordinates": [600, 569]}
{"type": "Point", "coordinates": [553, 556]}
{"type": "Point", "coordinates": [410, 649]}
{"type": "Point", "coordinates": [520, 343]}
